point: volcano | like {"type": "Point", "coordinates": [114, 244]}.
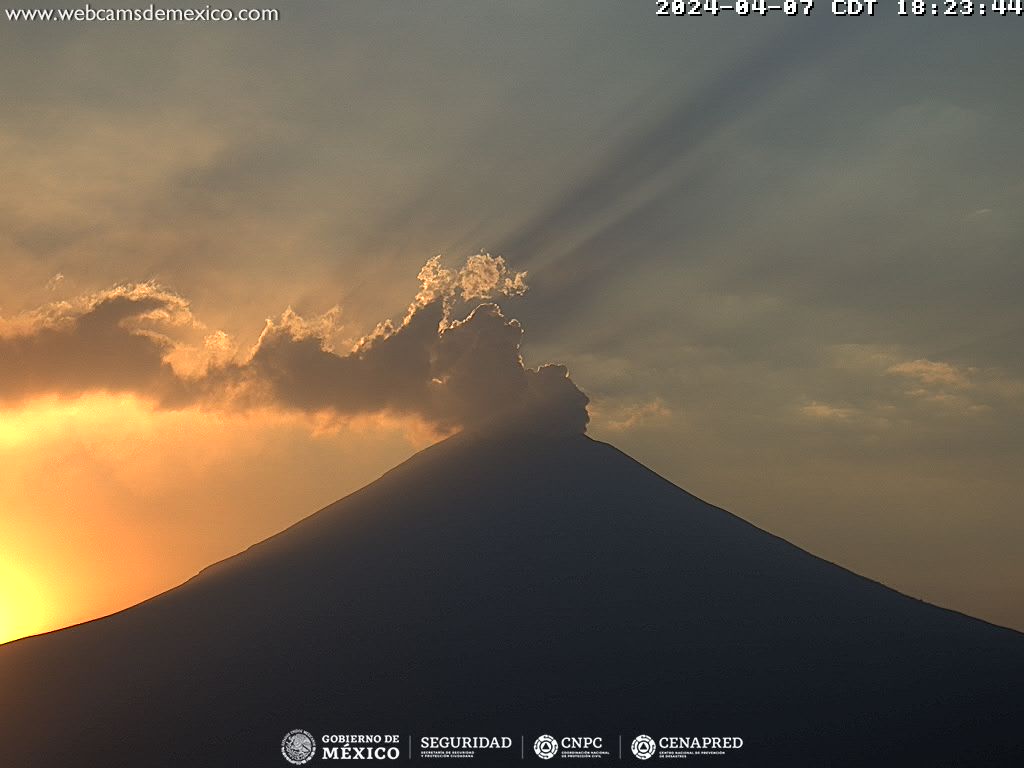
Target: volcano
{"type": "Point", "coordinates": [517, 587]}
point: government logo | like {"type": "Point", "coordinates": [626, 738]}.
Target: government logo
{"type": "Point", "coordinates": [298, 747]}
{"type": "Point", "coordinates": [546, 747]}
{"type": "Point", "coordinates": [644, 747]}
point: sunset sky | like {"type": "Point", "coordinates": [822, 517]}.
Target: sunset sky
{"type": "Point", "coordinates": [782, 256]}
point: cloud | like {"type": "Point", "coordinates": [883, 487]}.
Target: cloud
{"type": "Point", "coordinates": [826, 412]}
{"type": "Point", "coordinates": [108, 342]}
{"type": "Point", "coordinates": [453, 372]}
{"type": "Point", "coordinates": [929, 372]}
{"type": "Point", "coordinates": [876, 388]}
{"type": "Point", "coordinates": [622, 418]}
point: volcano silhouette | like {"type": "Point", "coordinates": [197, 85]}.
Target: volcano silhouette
{"type": "Point", "coordinates": [517, 587]}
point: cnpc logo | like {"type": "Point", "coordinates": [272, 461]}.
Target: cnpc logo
{"type": "Point", "coordinates": [547, 746]}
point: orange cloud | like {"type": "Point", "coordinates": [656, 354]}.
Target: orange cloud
{"type": "Point", "coordinates": [450, 372]}
{"type": "Point", "coordinates": [933, 372]}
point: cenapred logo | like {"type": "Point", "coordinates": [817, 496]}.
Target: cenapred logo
{"type": "Point", "coordinates": [298, 747]}
{"type": "Point", "coordinates": [644, 747]}
{"type": "Point", "coordinates": [546, 747]}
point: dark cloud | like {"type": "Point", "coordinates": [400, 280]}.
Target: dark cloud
{"type": "Point", "coordinates": [96, 346]}
{"type": "Point", "coordinates": [454, 373]}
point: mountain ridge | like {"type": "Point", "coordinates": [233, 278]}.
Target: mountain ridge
{"type": "Point", "coordinates": [525, 584]}
{"type": "Point", "coordinates": [214, 567]}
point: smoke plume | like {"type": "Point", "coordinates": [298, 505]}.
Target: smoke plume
{"type": "Point", "coordinates": [453, 360]}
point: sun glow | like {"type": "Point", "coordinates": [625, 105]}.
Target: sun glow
{"type": "Point", "coordinates": [23, 606]}
{"type": "Point", "coordinates": [106, 500]}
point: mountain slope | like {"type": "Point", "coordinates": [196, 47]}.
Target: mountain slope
{"type": "Point", "coordinates": [519, 586]}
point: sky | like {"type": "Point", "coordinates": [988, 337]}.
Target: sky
{"type": "Point", "coordinates": [781, 256]}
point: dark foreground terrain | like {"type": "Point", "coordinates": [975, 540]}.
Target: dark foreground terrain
{"type": "Point", "coordinates": [519, 587]}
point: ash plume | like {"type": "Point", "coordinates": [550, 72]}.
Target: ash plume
{"type": "Point", "coordinates": [453, 360]}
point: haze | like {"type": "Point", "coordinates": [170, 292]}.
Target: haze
{"type": "Point", "coordinates": [781, 256]}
